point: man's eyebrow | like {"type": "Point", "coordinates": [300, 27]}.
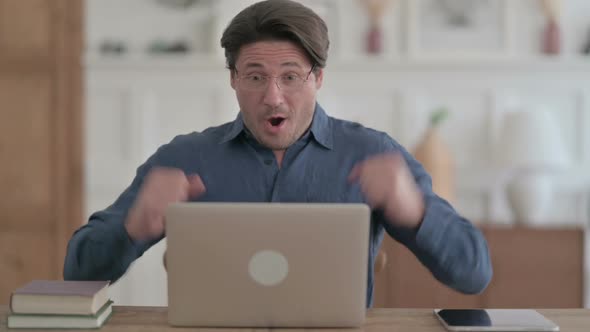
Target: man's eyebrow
{"type": "Point", "coordinates": [257, 65]}
{"type": "Point", "coordinates": [254, 65]}
{"type": "Point", "coordinates": [291, 64]}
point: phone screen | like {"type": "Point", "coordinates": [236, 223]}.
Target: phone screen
{"type": "Point", "coordinates": [494, 320]}
{"type": "Point", "coordinates": [465, 317]}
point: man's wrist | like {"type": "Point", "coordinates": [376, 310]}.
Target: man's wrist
{"type": "Point", "coordinates": [413, 216]}
{"type": "Point", "coordinates": [130, 223]}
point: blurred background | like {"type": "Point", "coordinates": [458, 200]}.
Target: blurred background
{"type": "Point", "coordinates": [492, 96]}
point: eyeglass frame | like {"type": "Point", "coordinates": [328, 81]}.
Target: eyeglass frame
{"type": "Point", "coordinates": [275, 78]}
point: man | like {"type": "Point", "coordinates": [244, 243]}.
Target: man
{"type": "Point", "coordinates": [283, 147]}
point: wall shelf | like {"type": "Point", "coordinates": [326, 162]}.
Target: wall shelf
{"type": "Point", "coordinates": [362, 63]}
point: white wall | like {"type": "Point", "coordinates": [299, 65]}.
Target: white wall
{"type": "Point", "coordinates": [135, 103]}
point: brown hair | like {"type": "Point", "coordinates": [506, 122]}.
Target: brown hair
{"type": "Point", "coordinates": [277, 20]}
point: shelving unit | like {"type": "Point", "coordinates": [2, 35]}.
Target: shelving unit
{"type": "Point", "coordinates": [360, 63]}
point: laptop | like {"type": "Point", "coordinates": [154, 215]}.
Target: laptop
{"type": "Point", "coordinates": [267, 264]}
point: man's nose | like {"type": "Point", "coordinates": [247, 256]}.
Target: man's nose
{"type": "Point", "coordinates": [273, 96]}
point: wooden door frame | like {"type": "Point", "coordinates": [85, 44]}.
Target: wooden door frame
{"type": "Point", "coordinates": [68, 122]}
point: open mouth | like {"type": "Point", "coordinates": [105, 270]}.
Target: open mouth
{"type": "Point", "coordinates": [276, 121]}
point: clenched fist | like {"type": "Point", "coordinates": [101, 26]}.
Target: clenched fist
{"type": "Point", "coordinates": [388, 184]}
{"type": "Point", "coordinates": [161, 187]}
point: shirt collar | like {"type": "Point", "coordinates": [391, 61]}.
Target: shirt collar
{"type": "Point", "coordinates": [321, 128]}
{"type": "Point", "coordinates": [236, 127]}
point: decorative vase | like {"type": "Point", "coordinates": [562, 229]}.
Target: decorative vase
{"type": "Point", "coordinates": [436, 158]}
{"type": "Point", "coordinates": [586, 49]}
{"type": "Point", "coordinates": [374, 39]}
{"type": "Point", "coordinates": [552, 38]}
{"type": "Point", "coordinates": [529, 194]}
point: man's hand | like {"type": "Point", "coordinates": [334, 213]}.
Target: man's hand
{"type": "Point", "coordinates": [389, 185]}
{"type": "Point", "coordinates": [161, 187]}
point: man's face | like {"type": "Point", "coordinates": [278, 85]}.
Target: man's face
{"type": "Point", "coordinates": [277, 116]}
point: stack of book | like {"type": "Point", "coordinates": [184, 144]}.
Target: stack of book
{"type": "Point", "coordinates": [60, 304]}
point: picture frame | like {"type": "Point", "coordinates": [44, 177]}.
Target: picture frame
{"type": "Point", "coordinates": [459, 29]}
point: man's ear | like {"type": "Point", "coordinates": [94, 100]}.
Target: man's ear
{"type": "Point", "coordinates": [319, 78]}
{"type": "Point", "coordinates": [232, 78]}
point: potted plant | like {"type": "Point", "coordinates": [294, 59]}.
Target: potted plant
{"type": "Point", "coordinates": [436, 157]}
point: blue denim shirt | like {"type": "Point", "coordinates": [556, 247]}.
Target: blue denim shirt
{"type": "Point", "coordinates": [235, 168]}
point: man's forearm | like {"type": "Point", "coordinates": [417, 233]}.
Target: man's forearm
{"type": "Point", "coordinates": [457, 251]}
{"type": "Point", "coordinates": [99, 251]}
{"type": "Point", "coordinates": [450, 247]}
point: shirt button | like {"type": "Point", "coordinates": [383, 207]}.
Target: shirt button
{"type": "Point", "coordinates": [268, 161]}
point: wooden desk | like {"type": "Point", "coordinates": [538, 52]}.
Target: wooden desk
{"type": "Point", "coordinates": [132, 319]}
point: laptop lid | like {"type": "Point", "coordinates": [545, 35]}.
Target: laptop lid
{"type": "Point", "coordinates": [267, 264]}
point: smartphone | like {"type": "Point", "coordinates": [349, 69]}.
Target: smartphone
{"type": "Point", "coordinates": [494, 320]}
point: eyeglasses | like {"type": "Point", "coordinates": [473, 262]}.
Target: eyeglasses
{"type": "Point", "coordinates": [288, 83]}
